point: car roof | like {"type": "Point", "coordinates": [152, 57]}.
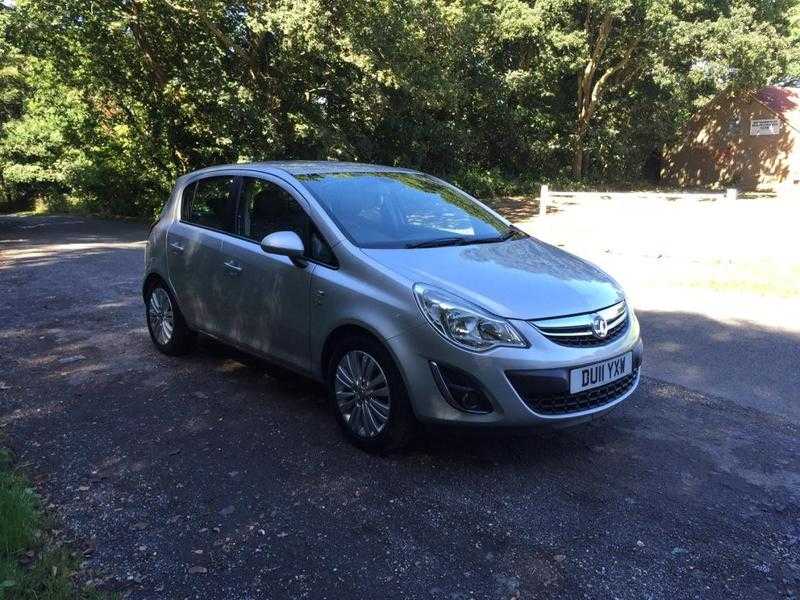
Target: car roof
{"type": "Point", "coordinates": [305, 167]}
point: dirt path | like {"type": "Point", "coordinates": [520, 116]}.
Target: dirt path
{"type": "Point", "coordinates": [200, 477]}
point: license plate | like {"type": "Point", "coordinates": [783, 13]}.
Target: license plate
{"type": "Point", "coordinates": [592, 376]}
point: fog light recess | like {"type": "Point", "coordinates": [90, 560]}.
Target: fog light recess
{"type": "Point", "coordinates": [460, 390]}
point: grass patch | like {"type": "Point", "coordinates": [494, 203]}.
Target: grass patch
{"type": "Point", "coordinates": [32, 566]}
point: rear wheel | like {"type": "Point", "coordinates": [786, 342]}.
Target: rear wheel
{"type": "Point", "coordinates": [369, 396]}
{"type": "Point", "coordinates": [165, 322]}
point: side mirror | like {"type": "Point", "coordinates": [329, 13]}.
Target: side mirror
{"type": "Point", "coordinates": [285, 243]}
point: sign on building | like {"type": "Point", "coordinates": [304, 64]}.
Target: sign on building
{"type": "Point", "coordinates": [765, 126]}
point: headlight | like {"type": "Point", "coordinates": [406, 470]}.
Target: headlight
{"type": "Point", "coordinates": [463, 323]}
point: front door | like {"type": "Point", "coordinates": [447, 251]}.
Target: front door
{"type": "Point", "coordinates": [270, 301]}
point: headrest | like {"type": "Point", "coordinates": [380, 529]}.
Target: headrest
{"type": "Point", "coordinates": [268, 205]}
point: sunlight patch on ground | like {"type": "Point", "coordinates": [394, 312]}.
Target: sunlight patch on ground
{"type": "Point", "coordinates": [731, 261]}
{"type": "Point", "coordinates": [47, 250]}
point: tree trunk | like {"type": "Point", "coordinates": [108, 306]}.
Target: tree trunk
{"type": "Point", "coordinates": [577, 157]}
{"type": "Point", "coordinates": [588, 89]}
{"type": "Point", "coordinates": [6, 197]}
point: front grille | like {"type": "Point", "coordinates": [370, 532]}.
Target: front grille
{"type": "Point", "coordinates": [561, 404]}
{"type": "Point", "coordinates": [589, 340]}
{"type": "Point", "coordinates": [577, 330]}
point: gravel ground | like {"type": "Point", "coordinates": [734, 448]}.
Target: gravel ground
{"type": "Point", "coordinates": [201, 477]}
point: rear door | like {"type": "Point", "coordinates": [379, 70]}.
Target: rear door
{"type": "Point", "coordinates": [195, 245]}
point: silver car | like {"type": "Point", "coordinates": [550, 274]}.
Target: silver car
{"type": "Point", "coordinates": [413, 302]}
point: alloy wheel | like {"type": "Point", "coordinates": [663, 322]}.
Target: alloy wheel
{"type": "Point", "coordinates": [161, 316]}
{"type": "Point", "coordinates": [362, 393]}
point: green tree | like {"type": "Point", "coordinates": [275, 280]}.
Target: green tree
{"type": "Point", "coordinates": [107, 101]}
{"type": "Point", "coordinates": [622, 48]}
{"type": "Point", "coordinates": [793, 69]}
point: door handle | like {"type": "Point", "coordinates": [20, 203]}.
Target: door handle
{"type": "Point", "coordinates": [232, 267]}
{"type": "Point", "coordinates": [176, 247]}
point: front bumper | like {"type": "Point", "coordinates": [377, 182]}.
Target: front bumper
{"type": "Point", "coordinates": [544, 364]}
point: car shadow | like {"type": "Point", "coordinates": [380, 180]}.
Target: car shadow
{"type": "Point", "coordinates": [267, 386]}
{"type": "Point", "coordinates": [255, 366]}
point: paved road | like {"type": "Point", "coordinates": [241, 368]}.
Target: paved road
{"type": "Point", "coordinates": [164, 467]}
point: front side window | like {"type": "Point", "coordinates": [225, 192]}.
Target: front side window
{"type": "Point", "coordinates": [267, 208]}
{"type": "Point", "coordinates": [402, 210]}
{"type": "Point", "coordinates": [209, 203]}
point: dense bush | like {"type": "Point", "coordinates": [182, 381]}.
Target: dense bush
{"type": "Point", "coordinates": [104, 103]}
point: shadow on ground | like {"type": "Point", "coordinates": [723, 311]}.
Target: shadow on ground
{"type": "Point", "coordinates": [753, 365]}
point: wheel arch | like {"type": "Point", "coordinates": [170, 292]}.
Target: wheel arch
{"type": "Point", "coordinates": [345, 330]}
{"type": "Point", "coordinates": [406, 421]}
{"type": "Point", "coordinates": [150, 281]}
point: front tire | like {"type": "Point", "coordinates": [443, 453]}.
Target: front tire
{"type": "Point", "coordinates": [369, 396]}
{"type": "Point", "coordinates": [168, 329]}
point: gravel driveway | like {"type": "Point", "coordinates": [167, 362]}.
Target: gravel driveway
{"type": "Point", "coordinates": [202, 477]}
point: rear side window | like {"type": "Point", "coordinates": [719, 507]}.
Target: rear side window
{"type": "Point", "coordinates": [209, 203]}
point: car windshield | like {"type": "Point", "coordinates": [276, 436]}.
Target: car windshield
{"type": "Point", "coordinates": [403, 210]}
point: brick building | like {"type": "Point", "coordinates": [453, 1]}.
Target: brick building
{"type": "Point", "coordinates": [749, 141]}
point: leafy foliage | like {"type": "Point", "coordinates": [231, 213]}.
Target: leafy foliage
{"type": "Point", "coordinates": [103, 103]}
{"type": "Point", "coordinates": [793, 71]}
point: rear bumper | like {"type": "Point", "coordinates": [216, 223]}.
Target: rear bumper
{"type": "Point", "coordinates": [511, 378]}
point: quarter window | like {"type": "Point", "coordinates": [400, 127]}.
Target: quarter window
{"type": "Point", "coordinates": [188, 196]}
{"type": "Point", "coordinates": [212, 204]}
{"type": "Point", "coordinates": [320, 250]}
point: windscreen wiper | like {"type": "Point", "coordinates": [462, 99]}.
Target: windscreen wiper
{"type": "Point", "coordinates": [512, 231]}
{"type": "Point", "coordinates": [435, 243]}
